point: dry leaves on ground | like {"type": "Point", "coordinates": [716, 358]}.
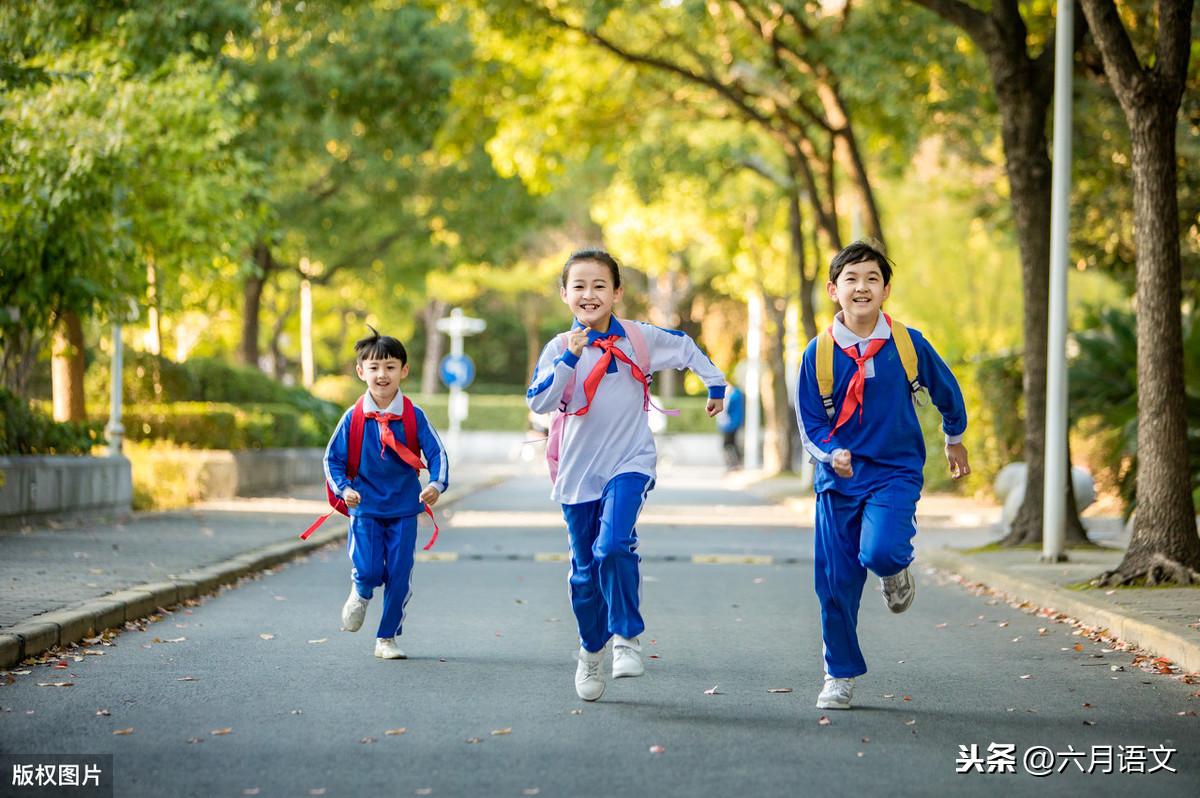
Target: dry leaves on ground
{"type": "Point", "coordinates": [394, 732]}
{"type": "Point", "coordinates": [502, 732]}
{"type": "Point", "coordinates": [56, 684]}
{"type": "Point", "coordinates": [779, 689]}
{"type": "Point", "coordinates": [657, 749]}
{"type": "Point", "coordinates": [121, 732]}
{"type": "Point", "coordinates": [823, 720]}
{"type": "Point", "coordinates": [266, 636]}
{"type": "Point", "coordinates": [221, 732]}
{"type": "Point", "coordinates": [712, 690]}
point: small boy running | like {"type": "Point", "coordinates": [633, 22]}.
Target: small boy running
{"type": "Point", "coordinates": [869, 450]}
{"type": "Point", "coordinates": [385, 496]}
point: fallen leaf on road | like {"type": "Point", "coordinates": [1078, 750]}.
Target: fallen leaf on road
{"type": "Point", "coordinates": [424, 791]}
{"type": "Point", "coordinates": [123, 731]}
{"type": "Point", "coordinates": [861, 754]}
{"type": "Point", "coordinates": [1003, 624]}
{"type": "Point", "coordinates": [889, 695]}
{"type": "Point", "coordinates": [1042, 631]}
{"type": "Point", "coordinates": [395, 732]}
{"type": "Point", "coordinates": [501, 732]}
{"type": "Point", "coordinates": [319, 642]}
{"type": "Point", "coordinates": [912, 722]}
{"type": "Point", "coordinates": [280, 598]}
{"type": "Point", "coordinates": [368, 740]}
{"type": "Point", "coordinates": [712, 691]}
{"type": "Point", "coordinates": [91, 652]}
{"type": "Point", "coordinates": [56, 684]}
{"type": "Point", "coordinates": [266, 636]}
{"type": "Point", "coordinates": [251, 791]}
{"type": "Point", "coordinates": [657, 749]}
{"type": "Point", "coordinates": [655, 656]}
{"type": "Point", "coordinates": [866, 739]}
{"type": "Point", "coordinates": [521, 601]}
{"type": "Point", "coordinates": [779, 689]}
{"type": "Point", "coordinates": [103, 713]}
{"type": "Point", "coordinates": [1089, 723]}
{"type": "Point", "coordinates": [317, 791]}
{"type": "Point", "coordinates": [1078, 646]}
{"type": "Point", "coordinates": [576, 711]}
{"type": "Point", "coordinates": [194, 740]}
{"type": "Point", "coordinates": [474, 740]}
{"type": "Point", "coordinates": [1027, 676]}
{"type": "Point", "coordinates": [824, 720]}
{"type": "Point", "coordinates": [907, 698]}
{"type": "Point", "coordinates": [940, 626]}
{"type": "Point", "coordinates": [1189, 713]}
{"type": "Point", "coordinates": [531, 791]}
{"type": "Point", "coordinates": [22, 673]}
{"type": "Point", "coordinates": [221, 732]}
{"type": "Point", "coordinates": [1087, 706]}
{"type": "Point", "coordinates": [297, 711]}
{"type": "Point", "coordinates": [186, 679]}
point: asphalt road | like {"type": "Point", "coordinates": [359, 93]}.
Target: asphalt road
{"type": "Point", "coordinates": [487, 704]}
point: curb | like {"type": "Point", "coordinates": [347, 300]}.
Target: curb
{"type": "Point", "coordinates": [1148, 635]}
{"type": "Point", "coordinates": [72, 624]}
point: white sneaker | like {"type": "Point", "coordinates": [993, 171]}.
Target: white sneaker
{"type": "Point", "coordinates": [836, 693]}
{"type": "Point", "coordinates": [353, 611]}
{"type": "Point", "coordinates": [898, 590]}
{"type": "Point", "coordinates": [589, 675]}
{"type": "Point", "coordinates": [627, 657]}
{"type": "Point", "coordinates": [386, 648]}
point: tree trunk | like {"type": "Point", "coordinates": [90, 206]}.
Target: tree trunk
{"type": "Point", "coordinates": [777, 439]}
{"type": "Point", "coordinates": [1164, 546]}
{"type": "Point", "coordinates": [252, 306]}
{"type": "Point", "coordinates": [808, 312]}
{"type": "Point", "coordinates": [434, 309]}
{"type": "Point", "coordinates": [66, 369]}
{"type": "Point", "coordinates": [155, 323]}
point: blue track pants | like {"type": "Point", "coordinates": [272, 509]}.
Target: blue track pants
{"type": "Point", "coordinates": [854, 534]}
{"type": "Point", "coordinates": [605, 584]}
{"type": "Point", "coordinates": [382, 552]}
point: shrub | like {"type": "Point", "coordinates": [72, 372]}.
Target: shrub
{"type": "Point", "coordinates": [213, 425]}
{"type": "Point", "coordinates": [28, 431]}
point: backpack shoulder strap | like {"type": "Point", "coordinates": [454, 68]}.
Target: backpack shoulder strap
{"type": "Point", "coordinates": [358, 421]}
{"type": "Point", "coordinates": [409, 419]}
{"type": "Point", "coordinates": [641, 352]}
{"type": "Point", "coordinates": [908, 354]}
{"type": "Point", "coordinates": [825, 369]}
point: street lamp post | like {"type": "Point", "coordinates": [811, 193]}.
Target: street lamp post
{"type": "Point", "coordinates": [114, 430]}
{"type": "Point", "coordinates": [1054, 486]}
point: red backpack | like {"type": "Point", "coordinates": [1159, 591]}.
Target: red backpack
{"type": "Point", "coordinates": [411, 455]}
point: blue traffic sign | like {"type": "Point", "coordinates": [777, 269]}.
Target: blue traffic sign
{"type": "Point", "coordinates": [456, 371]}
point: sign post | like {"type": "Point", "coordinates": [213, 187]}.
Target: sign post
{"type": "Point", "coordinates": [456, 370]}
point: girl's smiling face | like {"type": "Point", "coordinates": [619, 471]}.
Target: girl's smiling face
{"type": "Point", "coordinates": [590, 294]}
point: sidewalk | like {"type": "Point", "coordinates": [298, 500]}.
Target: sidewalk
{"type": "Point", "coordinates": [1164, 621]}
{"type": "Point", "coordinates": [64, 582]}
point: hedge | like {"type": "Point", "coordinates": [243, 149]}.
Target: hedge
{"type": "Point", "coordinates": [219, 425]}
{"type": "Point", "coordinates": [26, 430]}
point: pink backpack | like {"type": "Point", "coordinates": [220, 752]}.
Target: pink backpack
{"type": "Point", "coordinates": [641, 354]}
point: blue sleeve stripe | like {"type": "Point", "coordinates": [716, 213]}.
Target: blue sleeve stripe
{"type": "Point", "coordinates": [680, 333]}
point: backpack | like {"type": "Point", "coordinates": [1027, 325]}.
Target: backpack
{"type": "Point", "coordinates": [411, 455]}
{"type": "Point", "coordinates": [904, 346]}
{"type": "Point", "coordinates": [641, 355]}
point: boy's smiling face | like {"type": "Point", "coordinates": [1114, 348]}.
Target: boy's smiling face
{"type": "Point", "coordinates": [590, 294]}
{"type": "Point", "coordinates": [861, 291]}
{"type": "Point", "coordinates": [383, 378]}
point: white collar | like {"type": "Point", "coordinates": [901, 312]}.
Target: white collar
{"type": "Point", "coordinates": [845, 337]}
{"type": "Point", "coordinates": [395, 408]}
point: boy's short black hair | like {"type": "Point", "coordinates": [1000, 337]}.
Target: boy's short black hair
{"type": "Point", "coordinates": [859, 251]}
{"type": "Point", "coordinates": [379, 347]}
{"type": "Point", "coordinates": [597, 255]}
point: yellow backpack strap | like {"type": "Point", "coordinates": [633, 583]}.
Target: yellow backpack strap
{"type": "Point", "coordinates": [908, 355]}
{"type": "Point", "coordinates": [825, 369]}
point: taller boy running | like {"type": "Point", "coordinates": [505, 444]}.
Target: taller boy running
{"type": "Point", "coordinates": [869, 451]}
{"type": "Point", "coordinates": [597, 376]}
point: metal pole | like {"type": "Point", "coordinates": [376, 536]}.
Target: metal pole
{"type": "Point", "coordinates": [1055, 485]}
{"type": "Point", "coordinates": [753, 388]}
{"type": "Point", "coordinates": [114, 431]}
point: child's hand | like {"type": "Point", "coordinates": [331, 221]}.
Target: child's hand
{"type": "Point", "coordinates": [714, 406]}
{"type": "Point", "coordinates": [956, 455]}
{"type": "Point", "coordinates": [351, 497]}
{"type": "Point", "coordinates": [430, 495]}
{"type": "Point", "coordinates": [577, 340]}
{"type": "Point", "coordinates": [841, 463]}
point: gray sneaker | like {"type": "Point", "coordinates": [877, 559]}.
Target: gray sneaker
{"type": "Point", "coordinates": [354, 611]}
{"type": "Point", "coordinates": [589, 675]}
{"type": "Point", "coordinates": [899, 591]}
{"type": "Point", "coordinates": [836, 693]}
{"type": "Point", "coordinates": [627, 657]}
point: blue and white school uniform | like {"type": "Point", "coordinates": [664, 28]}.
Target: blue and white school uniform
{"type": "Point", "coordinates": [607, 463]}
{"type": "Point", "coordinates": [867, 521]}
{"type": "Point", "coordinates": [383, 527]}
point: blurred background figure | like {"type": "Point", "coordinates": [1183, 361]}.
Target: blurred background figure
{"type": "Point", "coordinates": [729, 423]}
